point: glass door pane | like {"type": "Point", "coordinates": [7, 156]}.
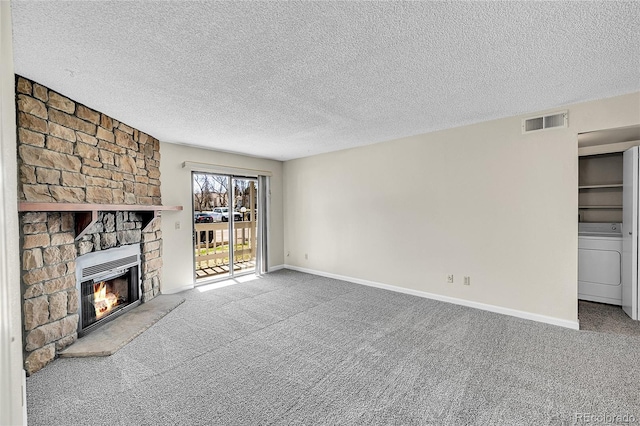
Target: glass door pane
{"type": "Point", "coordinates": [245, 231]}
{"type": "Point", "coordinates": [212, 227]}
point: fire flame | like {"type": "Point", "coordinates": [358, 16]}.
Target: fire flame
{"type": "Point", "coordinates": [103, 301]}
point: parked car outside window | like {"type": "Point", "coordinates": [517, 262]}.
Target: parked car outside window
{"type": "Point", "coordinates": [203, 217]}
{"type": "Point", "coordinates": [221, 214]}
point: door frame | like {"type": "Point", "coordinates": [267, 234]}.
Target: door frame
{"type": "Point", "coordinates": [630, 233]}
{"type": "Point", "coordinates": [231, 226]}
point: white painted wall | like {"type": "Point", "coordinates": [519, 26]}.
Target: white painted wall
{"type": "Point", "coordinates": [11, 371]}
{"type": "Point", "coordinates": [177, 270]}
{"type": "Point", "coordinates": [482, 201]}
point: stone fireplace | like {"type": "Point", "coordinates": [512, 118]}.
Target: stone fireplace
{"type": "Point", "coordinates": [69, 154]}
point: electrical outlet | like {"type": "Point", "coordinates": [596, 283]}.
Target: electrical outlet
{"type": "Point", "coordinates": [178, 224]}
{"type": "Point", "coordinates": [306, 256]}
{"type": "Point", "coordinates": [467, 280]}
{"type": "Point", "coordinates": [450, 279]}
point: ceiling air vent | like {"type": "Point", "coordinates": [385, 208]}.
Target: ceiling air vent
{"type": "Point", "coordinates": [544, 122]}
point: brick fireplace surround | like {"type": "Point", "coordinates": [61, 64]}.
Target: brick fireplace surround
{"type": "Point", "coordinates": [69, 153]}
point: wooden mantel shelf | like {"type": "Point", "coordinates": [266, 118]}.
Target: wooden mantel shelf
{"type": "Point", "coordinates": [25, 206]}
{"type": "Point", "coordinates": [87, 214]}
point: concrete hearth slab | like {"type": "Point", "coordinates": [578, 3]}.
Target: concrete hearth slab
{"type": "Point", "coordinates": [112, 336]}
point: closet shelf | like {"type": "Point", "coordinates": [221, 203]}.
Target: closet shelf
{"type": "Point", "coordinates": [601, 207]}
{"type": "Point", "coordinates": [612, 185]}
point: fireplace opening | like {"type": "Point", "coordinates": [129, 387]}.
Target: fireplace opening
{"type": "Point", "coordinates": [109, 285]}
{"type": "Point", "coordinates": [106, 296]}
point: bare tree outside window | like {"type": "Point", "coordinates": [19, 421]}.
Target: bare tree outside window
{"type": "Point", "coordinates": [209, 191]}
{"type": "Point", "coordinates": [201, 192]}
{"type": "Point", "coordinates": [220, 189]}
{"type": "Point", "coordinates": [241, 193]}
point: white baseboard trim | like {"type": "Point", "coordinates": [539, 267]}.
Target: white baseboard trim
{"type": "Point", "coordinates": [275, 268]}
{"type": "Point", "coordinates": [471, 304]}
{"type": "Point", "coordinates": [177, 289]}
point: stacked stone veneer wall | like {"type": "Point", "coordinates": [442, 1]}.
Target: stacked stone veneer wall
{"type": "Point", "coordinates": [69, 153]}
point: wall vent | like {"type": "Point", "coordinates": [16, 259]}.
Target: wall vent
{"type": "Point", "coordinates": [545, 122]}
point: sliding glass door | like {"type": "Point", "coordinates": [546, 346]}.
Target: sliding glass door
{"type": "Point", "coordinates": [226, 218]}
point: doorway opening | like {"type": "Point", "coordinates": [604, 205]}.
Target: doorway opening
{"type": "Point", "coordinates": [607, 223]}
{"type": "Point", "coordinates": [225, 228]}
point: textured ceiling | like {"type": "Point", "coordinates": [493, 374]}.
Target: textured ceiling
{"type": "Point", "coordinates": [284, 80]}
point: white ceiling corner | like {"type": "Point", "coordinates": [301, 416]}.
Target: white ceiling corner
{"type": "Point", "coordinates": [284, 80]}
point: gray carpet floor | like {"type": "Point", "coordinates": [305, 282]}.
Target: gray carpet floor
{"type": "Point", "coordinates": [292, 348]}
{"type": "Point", "coordinates": [606, 319]}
